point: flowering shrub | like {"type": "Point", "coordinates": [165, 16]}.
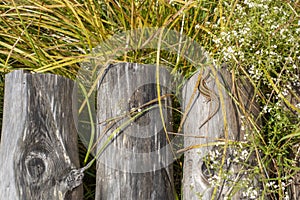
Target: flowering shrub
{"type": "Point", "coordinates": [259, 39]}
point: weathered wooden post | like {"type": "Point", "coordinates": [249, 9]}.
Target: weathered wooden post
{"type": "Point", "coordinates": [211, 135]}
{"type": "Point", "coordinates": [137, 162]}
{"type": "Point", "coordinates": [39, 139]}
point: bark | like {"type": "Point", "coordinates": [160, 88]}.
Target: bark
{"type": "Point", "coordinates": [38, 152]}
{"type": "Point", "coordinates": [137, 162]}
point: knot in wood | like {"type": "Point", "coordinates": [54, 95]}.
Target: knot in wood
{"type": "Point", "coordinates": [36, 167]}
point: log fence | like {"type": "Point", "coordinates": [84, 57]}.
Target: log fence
{"type": "Point", "coordinates": [39, 154]}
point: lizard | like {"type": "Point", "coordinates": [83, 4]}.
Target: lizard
{"type": "Point", "coordinates": [209, 95]}
{"type": "Point", "coordinates": [201, 86]}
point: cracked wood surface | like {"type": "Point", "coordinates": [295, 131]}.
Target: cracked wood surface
{"type": "Point", "coordinates": [135, 165]}
{"type": "Point", "coordinates": [39, 139]}
{"type": "Point", "coordinates": [197, 176]}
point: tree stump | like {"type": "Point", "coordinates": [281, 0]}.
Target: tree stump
{"type": "Point", "coordinates": [38, 152]}
{"type": "Point", "coordinates": [136, 164]}
{"type": "Point", "coordinates": [207, 144]}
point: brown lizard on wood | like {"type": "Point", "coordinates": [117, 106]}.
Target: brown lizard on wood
{"type": "Point", "coordinates": [209, 95]}
{"type": "Point", "coordinates": [206, 92]}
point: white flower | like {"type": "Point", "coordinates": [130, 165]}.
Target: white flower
{"type": "Point", "coordinates": [265, 109]}
{"type": "Point", "coordinates": [217, 41]}
{"type": "Point", "coordinates": [215, 180]}
{"type": "Point", "coordinates": [246, 136]}
{"type": "Point", "coordinates": [234, 33]}
{"type": "Point", "coordinates": [243, 128]}
{"type": "Point", "coordinates": [270, 184]}
{"type": "Point", "coordinates": [251, 193]}
{"type": "Point", "coordinates": [244, 155]}
{"type": "Point", "coordinates": [251, 70]}
{"type": "Point", "coordinates": [286, 196]}
{"type": "Point", "coordinates": [230, 50]}
{"type": "Point", "coordinates": [274, 26]}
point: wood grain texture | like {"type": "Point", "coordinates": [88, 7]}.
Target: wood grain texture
{"type": "Point", "coordinates": [39, 144]}
{"type": "Point", "coordinates": [195, 171]}
{"type": "Point", "coordinates": [137, 163]}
